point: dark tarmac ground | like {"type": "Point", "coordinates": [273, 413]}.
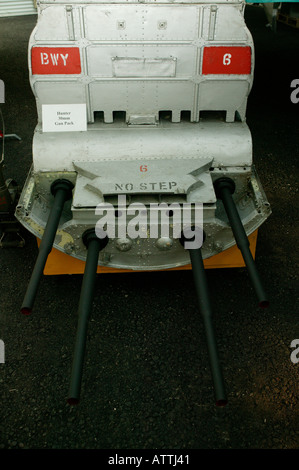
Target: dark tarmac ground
{"type": "Point", "coordinates": [147, 382]}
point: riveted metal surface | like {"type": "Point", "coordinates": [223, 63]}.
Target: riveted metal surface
{"type": "Point", "coordinates": [165, 88]}
{"type": "Point", "coordinates": [137, 58]}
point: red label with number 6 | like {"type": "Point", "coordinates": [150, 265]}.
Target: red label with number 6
{"type": "Point", "coordinates": [218, 60]}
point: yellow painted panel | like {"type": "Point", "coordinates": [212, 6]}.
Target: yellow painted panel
{"type": "Point", "coordinates": [60, 263]}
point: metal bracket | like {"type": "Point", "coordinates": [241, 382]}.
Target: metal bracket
{"type": "Point", "coordinates": [11, 237]}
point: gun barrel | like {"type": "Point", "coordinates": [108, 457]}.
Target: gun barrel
{"type": "Point", "coordinates": [202, 291]}
{"type": "Point", "coordinates": [201, 286]}
{"type": "Point", "coordinates": [62, 191]}
{"type": "Point", "coordinates": [224, 188]}
{"type": "Point", "coordinates": [94, 246]}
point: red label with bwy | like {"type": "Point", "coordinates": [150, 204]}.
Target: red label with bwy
{"type": "Point", "coordinates": [55, 60]}
{"type": "Point", "coordinates": [226, 60]}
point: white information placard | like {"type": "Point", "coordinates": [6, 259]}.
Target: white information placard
{"type": "Point", "coordinates": [64, 117]}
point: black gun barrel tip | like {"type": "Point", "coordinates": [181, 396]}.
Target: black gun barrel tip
{"type": "Point", "coordinates": [73, 401]}
{"type": "Point", "coordinates": [221, 402]}
{"type": "Point", "coordinates": [264, 304]}
{"type": "Point", "coordinates": [26, 310]}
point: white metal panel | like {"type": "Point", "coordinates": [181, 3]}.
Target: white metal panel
{"type": "Point", "coordinates": [17, 8]}
{"type": "Point", "coordinates": [228, 145]}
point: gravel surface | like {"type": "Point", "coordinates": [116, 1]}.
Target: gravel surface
{"type": "Point", "coordinates": [147, 382]}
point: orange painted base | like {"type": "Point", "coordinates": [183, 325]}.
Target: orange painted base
{"type": "Point", "coordinates": [60, 263]}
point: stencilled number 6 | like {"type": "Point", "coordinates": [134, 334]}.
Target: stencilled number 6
{"type": "Point", "coordinates": [227, 59]}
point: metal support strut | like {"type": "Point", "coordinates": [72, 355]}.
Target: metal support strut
{"type": "Point", "coordinates": [62, 191]}
{"type": "Point", "coordinates": [94, 246]}
{"type": "Point", "coordinates": [202, 292]}
{"type": "Point", "coordinates": [224, 188]}
{"type": "Point", "coordinates": [10, 228]}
